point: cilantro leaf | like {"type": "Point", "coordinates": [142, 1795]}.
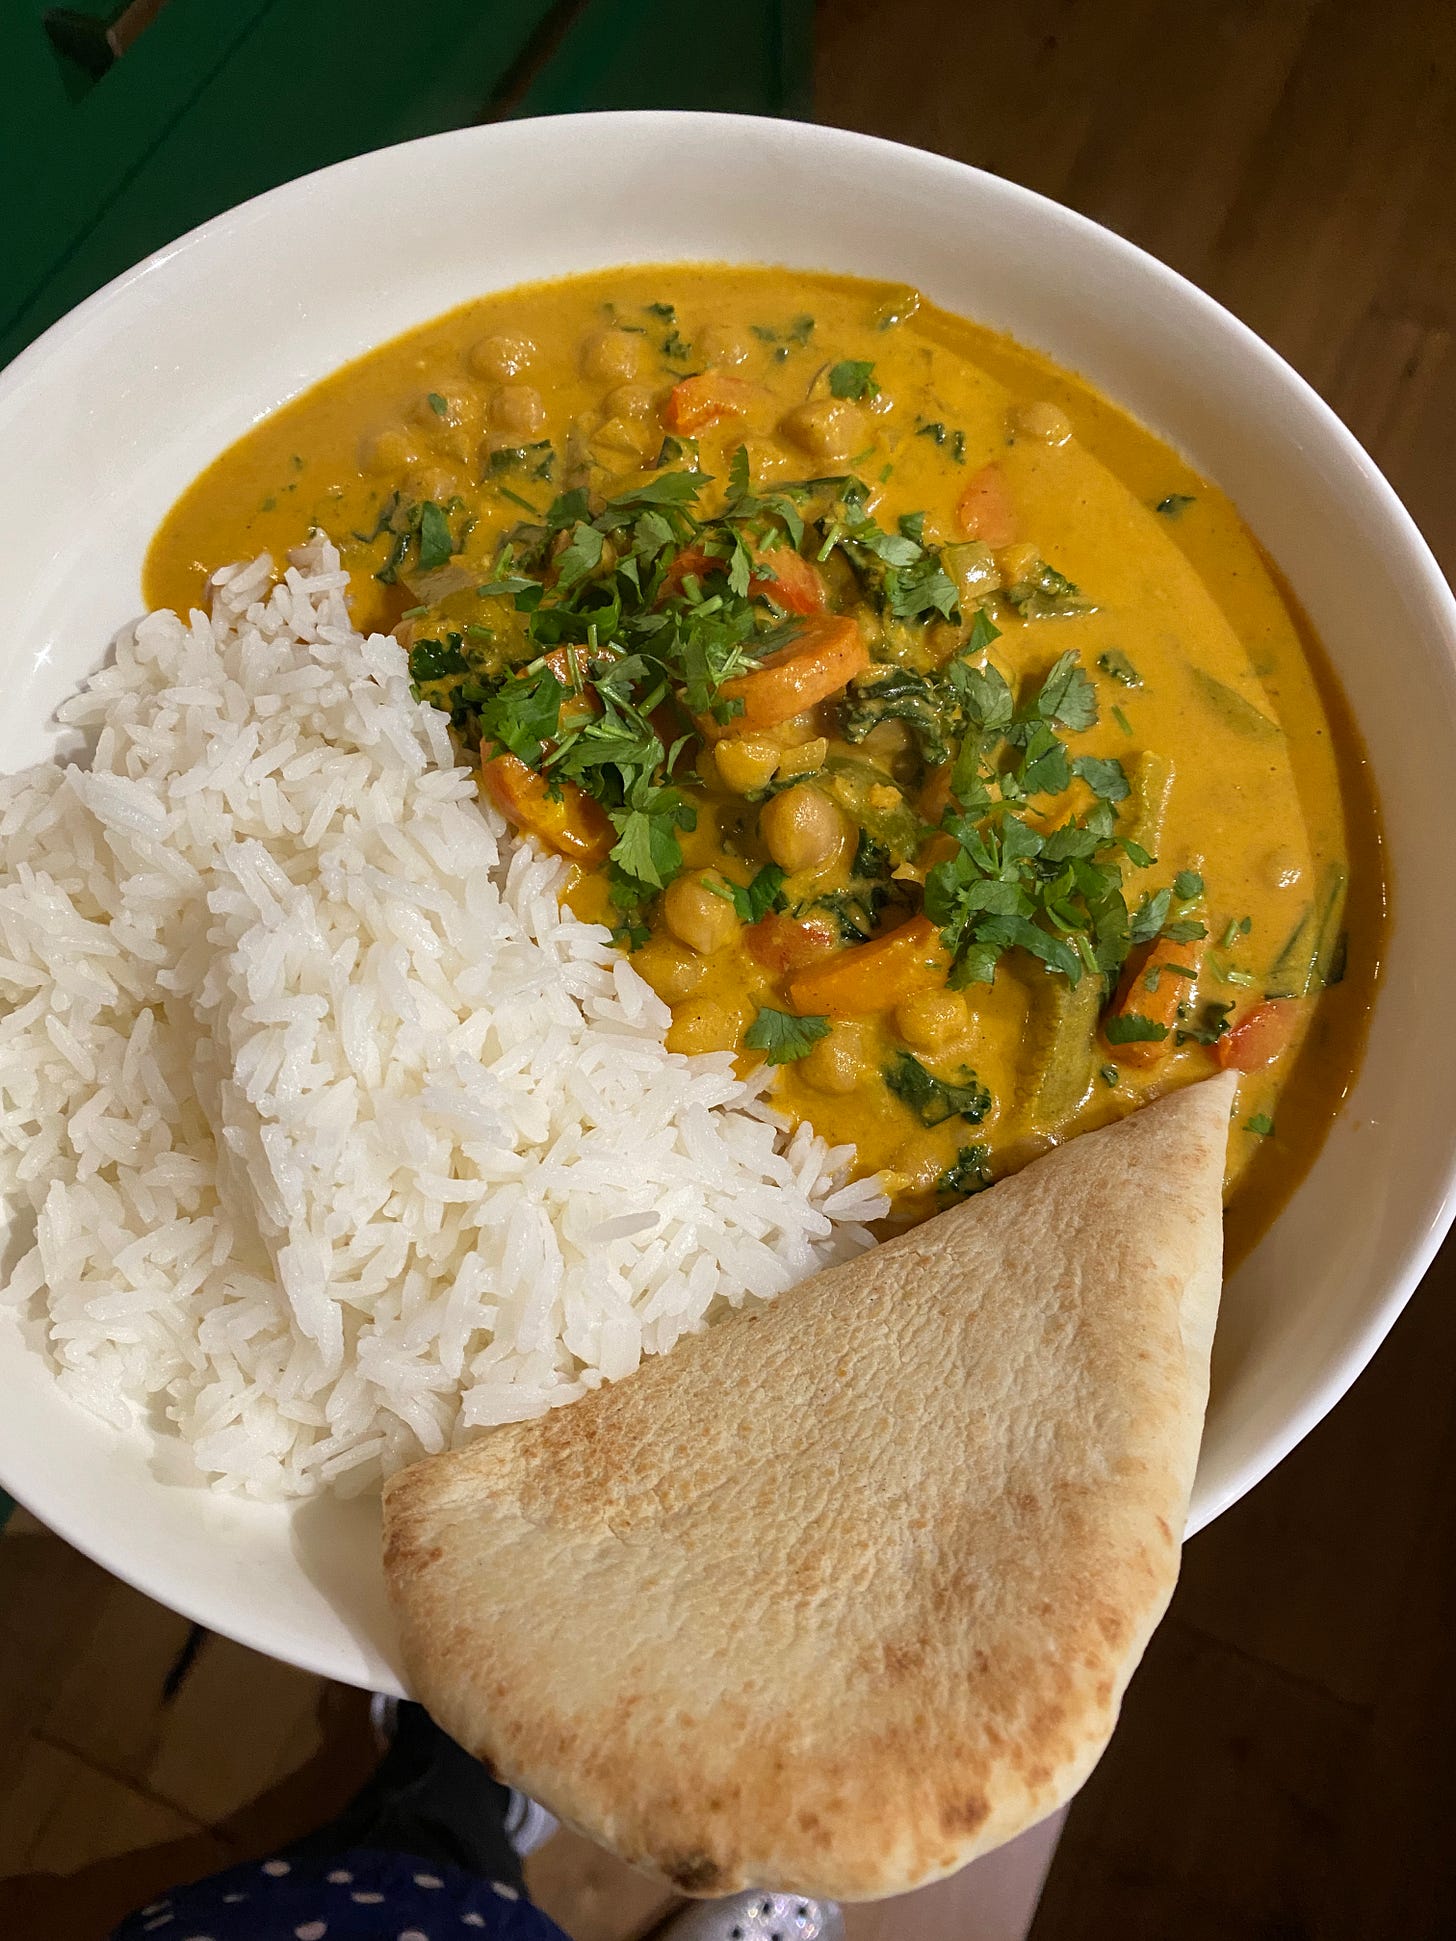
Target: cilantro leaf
{"type": "Point", "coordinates": [1150, 916]}
{"type": "Point", "coordinates": [1175, 503]}
{"type": "Point", "coordinates": [1187, 885]}
{"type": "Point", "coordinates": [1105, 778]}
{"type": "Point", "coordinates": [852, 379]}
{"type": "Point", "coordinates": [1131, 1028]}
{"type": "Point", "coordinates": [1067, 696]}
{"type": "Point", "coordinates": [1117, 667]}
{"type": "Point", "coordinates": [971, 1173]}
{"type": "Point", "coordinates": [934, 1100]}
{"type": "Point", "coordinates": [581, 556]}
{"type": "Point", "coordinates": [753, 900]}
{"type": "Point", "coordinates": [432, 660]}
{"type": "Point", "coordinates": [782, 1037]}
{"type": "Point", "coordinates": [1261, 1124]}
{"type": "Point", "coordinates": [436, 545]}
{"type": "Point", "coordinates": [983, 631]}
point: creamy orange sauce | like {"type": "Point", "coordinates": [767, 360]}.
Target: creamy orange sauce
{"type": "Point", "coordinates": [1266, 795]}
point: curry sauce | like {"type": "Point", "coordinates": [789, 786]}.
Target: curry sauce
{"type": "Point", "coordinates": [916, 719]}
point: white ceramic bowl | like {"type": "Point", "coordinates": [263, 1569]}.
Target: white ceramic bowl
{"type": "Point", "coordinates": [111, 413]}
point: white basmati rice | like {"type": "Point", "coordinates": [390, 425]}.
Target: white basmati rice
{"type": "Point", "coordinates": [341, 1138]}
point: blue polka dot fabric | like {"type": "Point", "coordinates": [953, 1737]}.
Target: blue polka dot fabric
{"type": "Point", "coordinates": [358, 1896]}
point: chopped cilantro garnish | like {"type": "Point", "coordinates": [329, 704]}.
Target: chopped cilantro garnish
{"type": "Point", "coordinates": [1105, 778]}
{"type": "Point", "coordinates": [1131, 1028]}
{"type": "Point", "coordinates": [1175, 503]}
{"type": "Point", "coordinates": [798, 332]}
{"type": "Point", "coordinates": [1110, 1075]}
{"type": "Point", "coordinates": [1187, 885]}
{"type": "Point", "coordinates": [1117, 667]}
{"type": "Point", "coordinates": [433, 660]}
{"type": "Point", "coordinates": [754, 900]}
{"type": "Point", "coordinates": [1042, 593]}
{"type": "Point", "coordinates": [1260, 1124]}
{"type": "Point", "coordinates": [782, 1037]}
{"type": "Point", "coordinates": [934, 1100]}
{"type": "Point", "coordinates": [1121, 719]}
{"type": "Point", "coordinates": [437, 404]}
{"type": "Point", "coordinates": [852, 379]}
{"type": "Point", "coordinates": [970, 1173]}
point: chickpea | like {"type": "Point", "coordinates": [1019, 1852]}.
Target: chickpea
{"type": "Point", "coordinates": [722, 346]}
{"type": "Point", "coordinates": [1044, 423]}
{"type": "Point", "coordinates": [632, 401]}
{"type": "Point", "coordinates": [838, 1063]}
{"type": "Point", "coordinates": [804, 759]}
{"type": "Point", "coordinates": [745, 762]}
{"type": "Point", "coordinates": [431, 482]}
{"type": "Point", "coordinates": [888, 739]}
{"type": "Point", "coordinates": [674, 973]}
{"type": "Point", "coordinates": [702, 1025]}
{"type": "Point", "coordinates": [627, 435]}
{"type": "Point", "coordinates": [457, 405]}
{"type": "Point", "coordinates": [387, 450]}
{"type": "Point", "coordinates": [798, 729]}
{"type": "Point", "coordinates": [801, 828]}
{"type": "Point", "coordinates": [612, 356]}
{"type": "Point", "coordinates": [519, 410]}
{"type": "Point", "coordinates": [827, 428]}
{"type": "Point", "coordinates": [930, 1021]}
{"type": "Point", "coordinates": [697, 915]}
{"type": "Point", "coordinates": [502, 356]}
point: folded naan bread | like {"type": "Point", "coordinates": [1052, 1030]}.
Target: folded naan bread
{"type": "Point", "coordinates": [844, 1592]}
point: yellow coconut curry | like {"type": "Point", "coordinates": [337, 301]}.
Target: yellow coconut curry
{"type": "Point", "coordinates": [918, 722]}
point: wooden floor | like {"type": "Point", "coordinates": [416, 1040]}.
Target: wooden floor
{"type": "Point", "coordinates": [1283, 1769]}
{"type": "Point", "coordinates": [1284, 1765]}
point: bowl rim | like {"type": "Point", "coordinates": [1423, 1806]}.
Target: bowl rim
{"type": "Point", "coordinates": [106, 1544]}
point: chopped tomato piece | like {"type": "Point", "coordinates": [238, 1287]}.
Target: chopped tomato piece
{"type": "Point", "coordinates": [691, 563]}
{"type": "Point", "coordinates": [874, 976]}
{"type": "Point", "coordinates": [789, 580]}
{"type": "Point", "coordinates": [1260, 1035]}
{"type": "Point", "coordinates": [782, 943]}
{"type": "Point", "coordinates": [1158, 980]}
{"type": "Point", "coordinates": [828, 651]}
{"type": "Point", "coordinates": [701, 400]}
{"type": "Point", "coordinates": [583, 702]}
{"type": "Point", "coordinates": [985, 511]}
{"type": "Point", "coordinates": [572, 824]}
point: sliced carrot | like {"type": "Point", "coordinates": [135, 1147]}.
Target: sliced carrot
{"type": "Point", "coordinates": [782, 943]}
{"type": "Point", "coordinates": [792, 582]}
{"type": "Point", "coordinates": [1153, 988]}
{"type": "Point", "coordinates": [572, 824]}
{"type": "Point", "coordinates": [874, 976]}
{"type": "Point", "coordinates": [828, 651]}
{"type": "Point", "coordinates": [700, 400]}
{"type": "Point", "coordinates": [1260, 1035]}
{"type": "Point", "coordinates": [985, 510]}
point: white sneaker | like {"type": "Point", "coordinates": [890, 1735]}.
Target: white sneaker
{"type": "Point", "coordinates": [756, 1917]}
{"type": "Point", "coordinates": [528, 1824]}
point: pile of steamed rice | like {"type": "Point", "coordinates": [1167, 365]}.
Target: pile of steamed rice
{"type": "Point", "coordinates": [340, 1138]}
